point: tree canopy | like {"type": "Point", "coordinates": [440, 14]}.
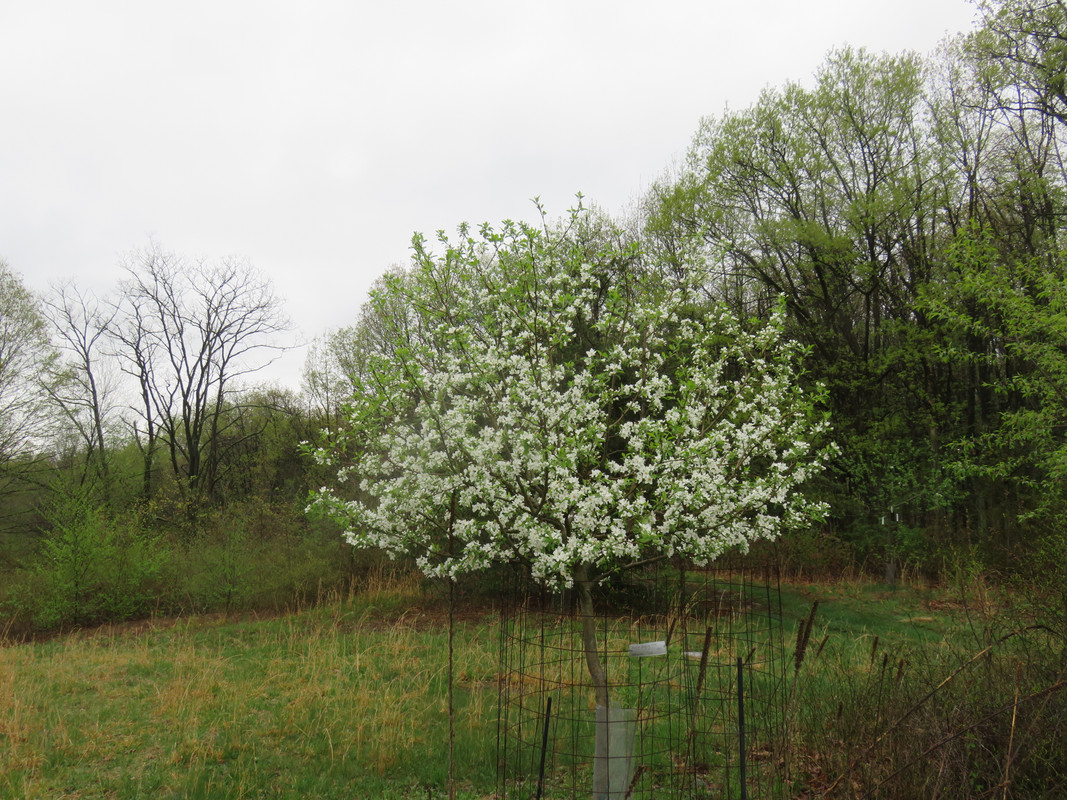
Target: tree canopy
{"type": "Point", "coordinates": [25, 354]}
{"type": "Point", "coordinates": [552, 396]}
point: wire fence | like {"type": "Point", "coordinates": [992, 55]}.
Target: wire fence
{"type": "Point", "coordinates": [694, 666]}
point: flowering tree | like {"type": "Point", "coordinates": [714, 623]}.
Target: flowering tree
{"type": "Point", "coordinates": [546, 396]}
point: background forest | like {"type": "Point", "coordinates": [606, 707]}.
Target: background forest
{"type": "Point", "coordinates": [909, 211]}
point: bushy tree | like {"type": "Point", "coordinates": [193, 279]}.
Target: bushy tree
{"type": "Point", "coordinates": [548, 396]}
{"type": "Point", "coordinates": [833, 197]}
{"type": "Point", "coordinates": [1019, 307]}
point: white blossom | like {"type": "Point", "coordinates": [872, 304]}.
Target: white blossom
{"type": "Point", "coordinates": [538, 404]}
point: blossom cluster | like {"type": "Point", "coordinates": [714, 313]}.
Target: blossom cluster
{"type": "Point", "coordinates": [549, 397]}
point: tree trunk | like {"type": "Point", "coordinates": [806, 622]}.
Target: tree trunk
{"type": "Point", "coordinates": [597, 674]}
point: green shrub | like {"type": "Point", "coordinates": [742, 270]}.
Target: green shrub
{"type": "Point", "coordinates": [90, 568]}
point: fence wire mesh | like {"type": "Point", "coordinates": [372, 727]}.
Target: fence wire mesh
{"type": "Point", "coordinates": [676, 643]}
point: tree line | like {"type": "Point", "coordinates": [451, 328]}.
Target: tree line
{"type": "Point", "coordinates": [142, 467]}
{"type": "Point", "coordinates": [910, 211]}
{"type": "Point", "coordinates": [902, 215]}
{"type": "Point", "coordinates": [143, 392]}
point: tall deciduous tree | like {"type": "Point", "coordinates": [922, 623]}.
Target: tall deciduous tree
{"type": "Point", "coordinates": [548, 396]}
{"type": "Point", "coordinates": [85, 395]}
{"type": "Point", "coordinates": [1027, 39]}
{"type": "Point", "coordinates": [1019, 307]}
{"type": "Point", "coordinates": [833, 198]}
{"type": "Point", "coordinates": [25, 354]}
{"type": "Point", "coordinates": [190, 333]}
{"type": "Point", "coordinates": [997, 300]}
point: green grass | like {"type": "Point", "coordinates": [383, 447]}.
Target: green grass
{"type": "Point", "coordinates": [349, 700]}
{"type": "Point", "coordinates": [855, 608]}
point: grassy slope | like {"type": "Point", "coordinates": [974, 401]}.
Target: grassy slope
{"type": "Point", "coordinates": [344, 700]}
{"type": "Point", "coordinates": [323, 703]}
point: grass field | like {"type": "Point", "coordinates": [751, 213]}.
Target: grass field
{"type": "Point", "coordinates": [349, 699]}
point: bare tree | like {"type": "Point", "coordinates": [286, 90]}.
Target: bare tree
{"type": "Point", "coordinates": [323, 385]}
{"type": "Point", "coordinates": [135, 350]}
{"type": "Point", "coordinates": [83, 391]}
{"type": "Point", "coordinates": [190, 332]}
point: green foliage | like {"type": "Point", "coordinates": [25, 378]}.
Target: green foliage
{"type": "Point", "coordinates": [1027, 41]}
{"type": "Point", "coordinates": [857, 200]}
{"type": "Point", "coordinates": [252, 555]}
{"type": "Point", "coordinates": [25, 355]}
{"type": "Point", "coordinates": [93, 568]}
{"type": "Point", "coordinates": [554, 397]}
{"type": "Point", "coordinates": [820, 196]}
{"type": "Point", "coordinates": [1017, 308]}
{"type": "Point", "coordinates": [224, 558]}
{"type": "Point", "coordinates": [336, 702]}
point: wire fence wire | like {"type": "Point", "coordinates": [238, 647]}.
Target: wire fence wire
{"type": "Point", "coordinates": [695, 663]}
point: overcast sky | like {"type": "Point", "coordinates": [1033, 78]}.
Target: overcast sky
{"type": "Point", "coordinates": [313, 138]}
